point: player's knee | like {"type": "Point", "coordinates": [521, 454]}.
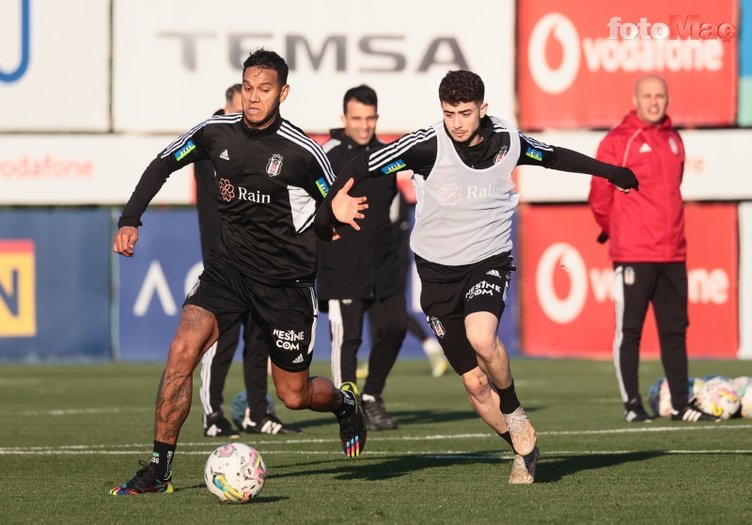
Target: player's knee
{"type": "Point", "coordinates": [482, 341]}
{"type": "Point", "coordinates": [183, 354]}
{"type": "Point", "coordinates": [476, 384]}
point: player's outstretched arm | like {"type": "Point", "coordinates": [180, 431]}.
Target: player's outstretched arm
{"type": "Point", "coordinates": [125, 241]}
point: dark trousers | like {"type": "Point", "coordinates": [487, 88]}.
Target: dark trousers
{"type": "Point", "coordinates": [664, 285]}
{"type": "Point", "coordinates": [388, 321]}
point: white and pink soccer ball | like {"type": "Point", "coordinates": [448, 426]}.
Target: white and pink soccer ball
{"type": "Point", "coordinates": [235, 473]}
{"type": "Point", "coordinates": [718, 396]}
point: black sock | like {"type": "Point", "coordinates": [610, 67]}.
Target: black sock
{"type": "Point", "coordinates": [348, 405]}
{"type": "Point", "coordinates": [162, 458]}
{"type": "Point", "coordinates": [506, 437]}
{"type": "Point", "coordinates": [509, 402]}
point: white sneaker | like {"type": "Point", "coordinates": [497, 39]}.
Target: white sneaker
{"type": "Point", "coordinates": [523, 468]}
{"type": "Point", "coordinates": [521, 431]}
{"type": "Point", "coordinates": [435, 354]}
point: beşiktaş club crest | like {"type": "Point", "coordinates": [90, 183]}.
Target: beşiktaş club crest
{"type": "Point", "coordinates": [501, 154]}
{"type": "Point", "coordinates": [438, 328]}
{"type": "Point", "coordinates": [274, 166]}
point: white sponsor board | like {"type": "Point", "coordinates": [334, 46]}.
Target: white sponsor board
{"type": "Point", "coordinates": [54, 65]}
{"type": "Point", "coordinates": [745, 280]}
{"type": "Point", "coordinates": [83, 169]}
{"type": "Point", "coordinates": [712, 170]}
{"type": "Point", "coordinates": [173, 59]}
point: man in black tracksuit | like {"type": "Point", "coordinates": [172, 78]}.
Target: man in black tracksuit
{"type": "Point", "coordinates": [259, 414]}
{"type": "Point", "coordinates": [360, 272]}
{"type": "Point", "coordinates": [271, 179]}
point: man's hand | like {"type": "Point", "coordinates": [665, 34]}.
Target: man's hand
{"type": "Point", "coordinates": [125, 241]}
{"type": "Point", "coordinates": [625, 180]}
{"type": "Point", "coordinates": [346, 208]}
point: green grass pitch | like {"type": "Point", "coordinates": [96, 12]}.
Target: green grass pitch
{"type": "Point", "coordinates": [70, 433]}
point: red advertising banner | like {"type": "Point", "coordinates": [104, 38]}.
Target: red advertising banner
{"type": "Point", "coordinates": [566, 284]}
{"type": "Point", "coordinates": [578, 61]}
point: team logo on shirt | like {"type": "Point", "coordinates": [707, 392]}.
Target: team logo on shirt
{"type": "Point", "coordinates": [226, 190]}
{"type": "Point", "coordinates": [393, 167]}
{"type": "Point", "coordinates": [673, 145]}
{"type": "Point", "coordinates": [274, 166]}
{"type": "Point", "coordinates": [534, 154]}
{"type": "Point", "coordinates": [501, 154]}
{"type": "Point", "coordinates": [323, 187]}
{"type": "Point", "coordinates": [185, 150]}
{"type": "Point", "coordinates": [450, 194]}
{"type": "Point", "coordinates": [438, 328]}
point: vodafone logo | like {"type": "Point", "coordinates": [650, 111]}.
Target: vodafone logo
{"type": "Point", "coordinates": [602, 54]}
{"type": "Point", "coordinates": [562, 261]}
{"type": "Point", "coordinates": [560, 28]}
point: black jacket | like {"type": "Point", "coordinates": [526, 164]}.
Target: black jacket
{"type": "Point", "coordinates": [361, 264]}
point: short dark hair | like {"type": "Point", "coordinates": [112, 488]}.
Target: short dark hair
{"type": "Point", "coordinates": [270, 60]}
{"type": "Point", "coordinates": [461, 86]}
{"type": "Point", "coordinates": [363, 94]}
{"type": "Point", "coordinates": [230, 92]}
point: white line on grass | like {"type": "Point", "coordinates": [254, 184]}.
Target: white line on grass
{"type": "Point", "coordinates": [442, 454]}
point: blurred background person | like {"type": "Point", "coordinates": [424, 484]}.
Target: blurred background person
{"type": "Point", "coordinates": [359, 272]}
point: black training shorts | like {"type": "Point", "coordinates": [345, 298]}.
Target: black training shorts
{"type": "Point", "coordinates": [446, 304]}
{"type": "Point", "coordinates": [286, 315]}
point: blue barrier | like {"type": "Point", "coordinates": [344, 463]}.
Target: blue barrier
{"type": "Point", "coordinates": [54, 285]}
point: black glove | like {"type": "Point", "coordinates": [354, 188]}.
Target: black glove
{"type": "Point", "coordinates": [625, 179]}
{"type": "Point", "coordinates": [602, 238]}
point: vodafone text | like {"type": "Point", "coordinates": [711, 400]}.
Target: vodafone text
{"type": "Point", "coordinates": [678, 28]}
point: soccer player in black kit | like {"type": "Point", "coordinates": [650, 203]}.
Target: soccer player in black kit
{"type": "Point", "coordinates": [462, 239]}
{"type": "Point", "coordinates": [271, 178]}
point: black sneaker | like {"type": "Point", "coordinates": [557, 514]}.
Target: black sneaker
{"type": "Point", "coordinates": [352, 429]}
{"type": "Point", "coordinates": [376, 416]}
{"type": "Point", "coordinates": [268, 425]}
{"type": "Point", "coordinates": [145, 481]}
{"type": "Point", "coordinates": [637, 415]}
{"type": "Point", "coordinates": [219, 427]}
{"type": "Point", "coordinates": [692, 415]}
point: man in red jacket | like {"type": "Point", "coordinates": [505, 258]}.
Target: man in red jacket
{"type": "Point", "coordinates": [647, 246]}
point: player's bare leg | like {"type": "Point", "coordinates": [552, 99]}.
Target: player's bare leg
{"type": "Point", "coordinates": [481, 329]}
{"type": "Point", "coordinates": [299, 391]}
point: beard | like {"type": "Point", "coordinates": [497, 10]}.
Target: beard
{"type": "Point", "coordinates": [266, 119]}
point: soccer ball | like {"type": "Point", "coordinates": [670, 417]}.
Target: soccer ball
{"type": "Point", "coordinates": [718, 397]}
{"type": "Point", "coordinates": [235, 473]}
{"type": "Point", "coordinates": [659, 397]}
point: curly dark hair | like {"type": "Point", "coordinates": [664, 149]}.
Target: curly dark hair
{"type": "Point", "coordinates": [268, 60]}
{"type": "Point", "coordinates": [461, 86]}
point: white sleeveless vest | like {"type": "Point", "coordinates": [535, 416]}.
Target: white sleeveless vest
{"type": "Point", "coordinates": [464, 215]}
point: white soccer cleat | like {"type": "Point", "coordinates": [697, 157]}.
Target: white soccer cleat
{"type": "Point", "coordinates": [523, 468]}
{"type": "Point", "coordinates": [521, 432]}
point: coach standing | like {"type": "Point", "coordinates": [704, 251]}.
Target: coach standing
{"type": "Point", "coordinates": [647, 246]}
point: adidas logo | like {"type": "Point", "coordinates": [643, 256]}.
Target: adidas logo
{"type": "Point", "coordinates": [645, 148]}
{"type": "Point", "coordinates": [224, 155]}
{"type": "Point", "coordinates": [493, 273]}
{"type": "Point", "coordinates": [298, 359]}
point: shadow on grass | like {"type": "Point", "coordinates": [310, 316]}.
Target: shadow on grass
{"type": "Point", "coordinates": [389, 467]}
{"type": "Point", "coordinates": [257, 500]}
{"type": "Point", "coordinates": [554, 468]}
{"type": "Point", "coordinates": [550, 469]}
{"type": "Point", "coordinates": [405, 418]}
